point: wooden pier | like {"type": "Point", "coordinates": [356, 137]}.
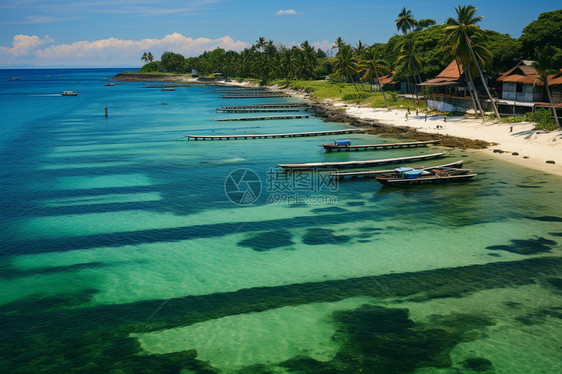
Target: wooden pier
{"type": "Point", "coordinates": [270, 136]}
{"type": "Point", "coordinates": [263, 110]}
{"type": "Point", "coordinates": [263, 118]}
{"type": "Point", "coordinates": [372, 174]}
{"type": "Point", "coordinates": [260, 107]}
{"type": "Point", "coordinates": [257, 95]}
{"type": "Point", "coordinates": [360, 163]}
{"type": "Point", "coordinates": [377, 147]}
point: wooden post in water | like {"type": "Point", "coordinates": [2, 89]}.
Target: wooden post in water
{"type": "Point", "coordinates": [106, 114]}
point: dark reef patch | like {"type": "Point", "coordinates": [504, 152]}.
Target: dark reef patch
{"type": "Point", "coordinates": [478, 364]}
{"type": "Point", "coordinates": [385, 340]}
{"type": "Point", "coordinates": [97, 339]}
{"type": "Point", "coordinates": [317, 236]}
{"type": "Point", "coordinates": [370, 229]}
{"type": "Point", "coordinates": [267, 241]}
{"type": "Point", "coordinates": [555, 282]}
{"type": "Point", "coordinates": [332, 209]}
{"type": "Point", "coordinates": [546, 218]}
{"type": "Point", "coordinates": [355, 203]}
{"type": "Point", "coordinates": [526, 247]}
{"type": "Point", "coordinates": [538, 317]}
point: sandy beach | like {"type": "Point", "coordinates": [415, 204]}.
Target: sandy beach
{"type": "Point", "coordinates": [518, 142]}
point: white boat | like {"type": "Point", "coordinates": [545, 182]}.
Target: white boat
{"type": "Point", "coordinates": [69, 93]}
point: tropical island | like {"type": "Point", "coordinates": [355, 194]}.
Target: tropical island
{"type": "Point", "coordinates": [496, 85]}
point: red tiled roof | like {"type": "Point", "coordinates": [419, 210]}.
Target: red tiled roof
{"type": "Point", "coordinates": [524, 73]}
{"type": "Point", "coordinates": [450, 75]}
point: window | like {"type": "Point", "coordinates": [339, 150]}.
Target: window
{"type": "Point", "coordinates": [519, 87]}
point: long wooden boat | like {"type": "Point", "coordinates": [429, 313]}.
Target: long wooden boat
{"type": "Point", "coordinates": [424, 176]}
{"type": "Point", "coordinates": [360, 163]}
{"type": "Point", "coordinates": [376, 147]}
{"type": "Point", "coordinates": [372, 174]}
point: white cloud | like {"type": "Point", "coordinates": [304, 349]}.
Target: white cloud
{"type": "Point", "coordinates": [323, 45]}
{"type": "Point", "coordinates": [111, 51]}
{"type": "Point", "coordinates": [24, 45]}
{"type": "Point", "coordinates": [286, 12]}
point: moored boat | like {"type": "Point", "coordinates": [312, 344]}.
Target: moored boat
{"type": "Point", "coordinates": [406, 176]}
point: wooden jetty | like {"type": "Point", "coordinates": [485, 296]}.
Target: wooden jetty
{"type": "Point", "coordinates": [270, 136]}
{"type": "Point", "coordinates": [371, 174]}
{"type": "Point", "coordinates": [257, 95]}
{"type": "Point", "coordinates": [377, 147]}
{"type": "Point", "coordinates": [263, 118]}
{"type": "Point", "coordinates": [262, 110]}
{"type": "Point", "coordinates": [260, 107]}
{"type": "Point", "coordinates": [359, 163]}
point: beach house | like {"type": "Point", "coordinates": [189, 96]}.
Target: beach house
{"type": "Point", "coordinates": [448, 90]}
{"type": "Point", "coordinates": [521, 83]}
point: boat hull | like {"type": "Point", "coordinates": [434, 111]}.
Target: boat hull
{"type": "Point", "coordinates": [386, 181]}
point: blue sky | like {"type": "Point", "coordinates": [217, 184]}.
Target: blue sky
{"type": "Point", "coordinates": [109, 33]}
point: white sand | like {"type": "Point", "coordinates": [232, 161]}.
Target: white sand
{"type": "Point", "coordinates": [537, 146]}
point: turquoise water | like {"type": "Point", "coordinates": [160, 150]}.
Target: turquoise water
{"type": "Point", "coordinates": [121, 251]}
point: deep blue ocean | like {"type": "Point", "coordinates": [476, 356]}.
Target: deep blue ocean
{"type": "Point", "coordinates": [126, 248]}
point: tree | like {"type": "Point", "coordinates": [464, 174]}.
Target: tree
{"type": "Point", "coordinates": [543, 64]}
{"type": "Point", "coordinates": [150, 57]}
{"type": "Point", "coordinates": [338, 44]}
{"type": "Point", "coordinates": [425, 23]}
{"type": "Point", "coordinates": [371, 66]}
{"type": "Point", "coordinates": [405, 21]}
{"type": "Point", "coordinates": [407, 59]}
{"type": "Point", "coordinates": [144, 57]}
{"type": "Point", "coordinates": [465, 34]}
{"type": "Point", "coordinates": [346, 64]}
{"type": "Point", "coordinates": [546, 30]}
{"type": "Point", "coordinates": [260, 43]}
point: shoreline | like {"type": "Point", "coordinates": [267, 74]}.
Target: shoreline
{"type": "Point", "coordinates": [517, 143]}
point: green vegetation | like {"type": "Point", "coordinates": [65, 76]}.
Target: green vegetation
{"type": "Point", "coordinates": [546, 30]}
{"type": "Point", "coordinates": [417, 52]}
{"type": "Point", "coordinates": [321, 90]}
{"type": "Point", "coordinates": [415, 56]}
{"type": "Point", "coordinates": [543, 118]}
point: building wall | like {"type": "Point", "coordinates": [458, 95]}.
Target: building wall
{"type": "Point", "coordinates": [556, 93]}
{"type": "Point", "coordinates": [527, 93]}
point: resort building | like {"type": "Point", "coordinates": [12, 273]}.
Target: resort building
{"type": "Point", "coordinates": [448, 90]}
{"type": "Point", "coordinates": [521, 83]}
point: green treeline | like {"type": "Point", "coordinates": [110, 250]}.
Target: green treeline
{"type": "Point", "coordinates": [419, 53]}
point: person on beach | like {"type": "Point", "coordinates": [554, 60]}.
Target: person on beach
{"type": "Point", "coordinates": [417, 112]}
{"type": "Point", "coordinates": [407, 116]}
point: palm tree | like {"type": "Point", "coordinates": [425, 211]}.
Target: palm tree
{"type": "Point", "coordinates": [150, 57]}
{"type": "Point", "coordinates": [346, 64]}
{"type": "Point", "coordinates": [371, 66]}
{"type": "Point", "coordinates": [260, 43]}
{"type": "Point", "coordinates": [288, 65]}
{"type": "Point", "coordinates": [543, 65]}
{"type": "Point", "coordinates": [144, 57]}
{"type": "Point", "coordinates": [338, 44]}
{"type": "Point", "coordinates": [405, 21]}
{"type": "Point", "coordinates": [465, 34]}
{"type": "Point", "coordinates": [407, 59]}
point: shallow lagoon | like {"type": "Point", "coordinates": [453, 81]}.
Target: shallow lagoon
{"type": "Point", "coordinates": [122, 251]}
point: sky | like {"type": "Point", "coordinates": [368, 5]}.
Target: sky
{"type": "Point", "coordinates": [59, 33]}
